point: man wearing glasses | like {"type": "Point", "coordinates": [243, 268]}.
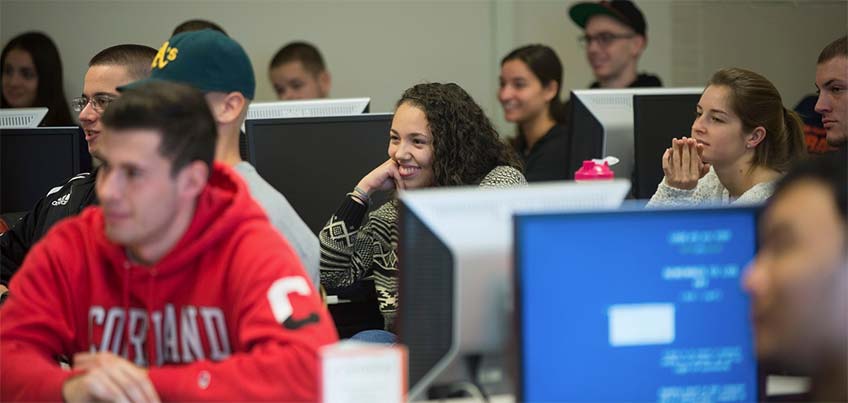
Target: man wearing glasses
{"type": "Point", "coordinates": [614, 37]}
{"type": "Point", "coordinates": [109, 69]}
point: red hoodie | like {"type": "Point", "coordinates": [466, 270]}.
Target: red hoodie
{"type": "Point", "coordinates": [227, 314]}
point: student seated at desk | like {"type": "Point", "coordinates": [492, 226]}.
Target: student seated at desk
{"type": "Point", "coordinates": [530, 84]}
{"type": "Point", "coordinates": [298, 71]}
{"type": "Point", "coordinates": [439, 137]}
{"type": "Point", "coordinates": [176, 287]}
{"type": "Point", "coordinates": [743, 139]}
{"type": "Point", "coordinates": [799, 279]}
{"type": "Point", "coordinates": [32, 77]}
{"type": "Point", "coordinates": [109, 69]}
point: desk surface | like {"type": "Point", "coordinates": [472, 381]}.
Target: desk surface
{"type": "Point", "coordinates": [775, 386]}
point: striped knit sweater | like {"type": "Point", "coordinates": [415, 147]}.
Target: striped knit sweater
{"type": "Point", "coordinates": [351, 251]}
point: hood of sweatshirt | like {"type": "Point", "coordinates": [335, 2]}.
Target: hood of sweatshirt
{"type": "Point", "coordinates": [223, 205]}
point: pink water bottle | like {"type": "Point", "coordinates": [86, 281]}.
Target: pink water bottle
{"type": "Point", "coordinates": [592, 170]}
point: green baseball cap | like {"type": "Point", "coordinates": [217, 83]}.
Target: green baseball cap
{"type": "Point", "coordinates": [207, 60]}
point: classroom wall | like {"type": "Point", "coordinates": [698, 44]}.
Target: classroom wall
{"type": "Point", "coordinates": [778, 39]}
{"type": "Point", "coordinates": [372, 48]}
{"type": "Point", "coordinates": [379, 48]}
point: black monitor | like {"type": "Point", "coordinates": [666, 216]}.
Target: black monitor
{"type": "Point", "coordinates": [301, 109]}
{"type": "Point", "coordinates": [601, 125]}
{"type": "Point", "coordinates": [656, 120]}
{"type": "Point", "coordinates": [35, 160]}
{"type": "Point", "coordinates": [635, 305]}
{"type": "Point", "coordinates": [315, 161]}
{"type": "Point", "coordinates": [454, 261]}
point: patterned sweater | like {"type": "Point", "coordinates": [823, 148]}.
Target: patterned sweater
{"type": "Point", "coordinates": [351, 251]}
{"type": "Point", "coordinates": [709, 190]}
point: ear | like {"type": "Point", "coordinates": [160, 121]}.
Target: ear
{"type": "Point", "coordinates": [192, 179]}
{"type": "Point", "coordinates": [324, 82]}
{"type": "Point", "coordinates": [550, 90]}
{"type": "Point", "coordinates": [753, 139]}
{"type": "Point", "coordinates": [227, 108]}
{"type": "Point", "coordinates": [639, 44]}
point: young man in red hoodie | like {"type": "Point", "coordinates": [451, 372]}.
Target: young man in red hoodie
{"type": "Point", "coordinates": [175, 288]}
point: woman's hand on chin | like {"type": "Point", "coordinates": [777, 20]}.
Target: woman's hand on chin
{"type": "Point", "coordinates": [682, 164]}
{"type": "Point", "coordinates": [385, 177]}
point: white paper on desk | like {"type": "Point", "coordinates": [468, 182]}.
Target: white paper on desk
{"type": "Point", "coordinates": [363, 372]}
{"type": "Point", "coordinates": [641, 324]}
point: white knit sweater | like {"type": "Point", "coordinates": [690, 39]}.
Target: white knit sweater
{"type": "Point", "coordinates": [709, 191]}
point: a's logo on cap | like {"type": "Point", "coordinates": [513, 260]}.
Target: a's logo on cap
{"type": "Point", "coordinates": [165, 55]}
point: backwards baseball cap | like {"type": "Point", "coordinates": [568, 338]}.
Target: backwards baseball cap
{"type": "Point", "coordinates": [622, 10]}
{"type": "Point", "coordinates": [207, 60]}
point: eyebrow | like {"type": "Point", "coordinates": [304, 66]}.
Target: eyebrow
{"type": "Point", "coordinates": [413, 134]}
{"type": "Point", "coordinates": [713, 110]}
{"type": "Point", "coordinates": [111, 94]}
{"type": "Point", "coordinates": [605, 32]}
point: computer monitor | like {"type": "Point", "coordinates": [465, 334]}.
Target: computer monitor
{"type": "Point", "coordinates": [656, 120]}
{"type": "Point", "coordinates": [315, 161]}
{"type": "Point", "coordinates": [33, 161]}
{"type": "Point", "coordinates": [635, 305]}
{"type": "Point", "coordinates": [602, 125]}
{"type": "Point", "coordinates": [301, 109]}
{"type": "Point", "coordinates": [11, 118]}
{"type": "Point", "coordinates": [308, 108]}
{"type": "Point", "coordinates": [454, 262]}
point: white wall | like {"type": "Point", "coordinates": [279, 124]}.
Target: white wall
{"type": "Point", "coordinates": [779, 39]}
{"type": "Point", "coordinates": [372, 48]}
{"type": "Point", "coordinates": [379, 48]}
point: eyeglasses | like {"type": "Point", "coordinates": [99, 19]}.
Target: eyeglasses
{"type": "Point", "coordinates": [98, 102]}
{"type": "Point", "coordinates": [603, 39]}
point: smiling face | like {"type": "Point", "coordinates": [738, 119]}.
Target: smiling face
{"type": "Point", "coordinates": [522, 94]}
{"type": "Point", "coordinates": [832, 83]}
{"type": "Point", "coordinates": [411, 146]}
{"type": "Point", "coordinates": [609, 61]}
{"type": "Point", "coordinates": [100, 80]}
{"type": "Point", "coordinates": [718, 128]}
{"type": "Point", "coordinates": [20, 79]}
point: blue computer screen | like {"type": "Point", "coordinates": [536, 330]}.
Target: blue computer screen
{"type": "Point", "coordinates": [640, 305]}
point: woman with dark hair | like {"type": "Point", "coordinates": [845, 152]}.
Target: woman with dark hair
{"type": "Point", "coordinates": [743, 140]}
{"type": "Point", "coordinates": [32, 77]}
{"type": "Point", "coordinates": [530, 84]}
{"type": "Point", "coordinates": [439, 137]}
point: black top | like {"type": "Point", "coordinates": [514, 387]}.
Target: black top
{"type": "Point", "coordinates": [642, 81]}
{"type": "Point", "coordinates": [548, 159]}
{"type": "Point", "coordinates": [69, 200]}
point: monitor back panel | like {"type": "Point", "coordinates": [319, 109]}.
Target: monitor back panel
{"type": "Point", "coordinates": [33, 161]}
{"type": "Point", "coordinates": [657, 119]}
{"type": "Point", "coordinates": [314, 162]}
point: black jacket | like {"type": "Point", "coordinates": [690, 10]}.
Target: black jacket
{"type": "Point", "coordinates": [642, 81]}
{"type": "Point", "coordinates": [548, 159]}
{"type": "Point", "coordinates": [66, 201]}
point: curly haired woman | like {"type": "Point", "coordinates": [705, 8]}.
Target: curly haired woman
{"type": "Point", "coordinates": [439, 137]}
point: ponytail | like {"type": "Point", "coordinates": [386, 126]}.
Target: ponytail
{"type": "Point", "coordinates": [793, 134]}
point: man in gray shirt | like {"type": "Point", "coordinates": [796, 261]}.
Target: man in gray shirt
{"type": "Point", "coordinates": [217, 65]}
